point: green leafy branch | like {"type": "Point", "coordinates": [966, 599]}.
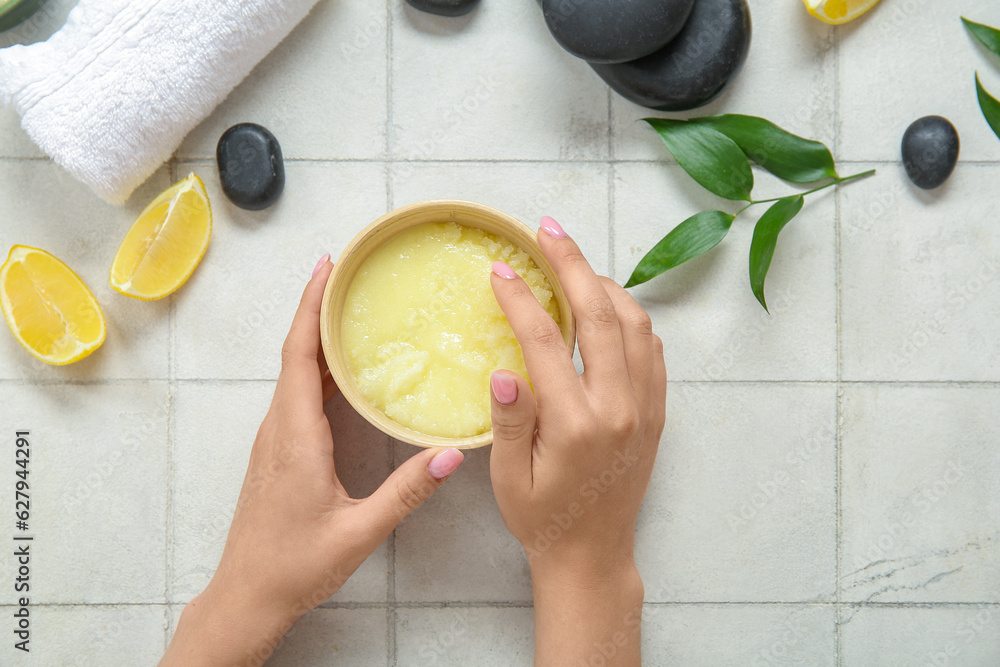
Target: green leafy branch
{"type": "Point", "coordinates": [716, 151]}
{"type": "Point", "coordinates": [990, 38]}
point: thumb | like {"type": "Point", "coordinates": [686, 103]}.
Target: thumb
{"type": "Point", "coordinates": [410, 485]}
{"type": "Point", "coordinates": [513, 429]}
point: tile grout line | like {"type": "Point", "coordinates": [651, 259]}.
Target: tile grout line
{"type": "Point", "coordinates": [44, 382]}
{"type": "Point", "coordinates": [390, 585]}
{"type": "Point", "coordinates": [514, 604]}
{"type": "Point", "coordinates": [513, 161]}
{"type": "Point", "coordinates": [611, 187]}
{"type": "Point", "coordinates": [482, 160]}
{"type": "Point", "coordinates": [389, 194]}
{"type": "Point", "coordinates": [168, 549]}
{"type": "Point", "coordinates": [838, 432]}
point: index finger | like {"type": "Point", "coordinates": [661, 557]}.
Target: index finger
{"type": "Point", "coordinates": [598, 332]}
{"type": "Point", "coordinates": [548, 360]}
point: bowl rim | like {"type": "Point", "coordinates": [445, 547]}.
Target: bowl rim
{"type": "Point", "coordinates": [358, 250]}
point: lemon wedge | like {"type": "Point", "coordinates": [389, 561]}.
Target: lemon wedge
{"type": "Point", "coordinates": [836, 12]}
{"type": "Point", "coordinates": [50, 311]}
{"type": "Point", "coordinates": [166, 242]}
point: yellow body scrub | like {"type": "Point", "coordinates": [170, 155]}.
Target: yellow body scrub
{"type": "Point", "coordinates": [422, 331]}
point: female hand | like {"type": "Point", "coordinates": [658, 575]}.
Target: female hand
{"type": "Point", "coordinates": [296, 535]}
{"type": "Point", "coordinates": [570, 464]}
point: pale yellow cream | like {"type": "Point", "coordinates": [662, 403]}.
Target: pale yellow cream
{"type": "Point", "coordinates": [422, 331]}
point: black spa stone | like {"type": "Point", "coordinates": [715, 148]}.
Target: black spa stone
{"type": "Point", "coordinates": [615, 31]}
{"type": "Point", "coordinates": [695, 67]}
{"type": "Point", "coordinates": [250, 166]}
{"type": "Point", "coordinates": [930, 151]}
{"type": "Point", "coordinates": [444, 7]}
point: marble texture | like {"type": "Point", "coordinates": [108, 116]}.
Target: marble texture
{"type": "Point", "coordinates": [826, 489]}
{"type": "Point", "coordinates": [920, 503]}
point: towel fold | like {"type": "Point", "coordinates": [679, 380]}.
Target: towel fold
{"type": "Point", "coordinates": [112, 94]}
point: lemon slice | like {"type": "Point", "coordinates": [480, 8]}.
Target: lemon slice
{"type": "Point", "coordinates": [836, 12]}
{"type": "Point", "coordinates": [50, 311]}
{"type": "Point", "coordinates": [166, 242]}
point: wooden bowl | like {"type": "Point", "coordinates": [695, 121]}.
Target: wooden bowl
{"type": "Point", "coordinates": [374, 235]}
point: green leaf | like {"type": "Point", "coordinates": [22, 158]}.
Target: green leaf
{"type": "Point", "coordinates": [990, 37]}
{"type": "Point", "coordinates": [782, 153]}
{"type": "Point", "coordinates": [699, 233]}
{"type": "Point", "coordinates": [990, 107]}
{"type": "Point", "coordinates": [765, 237]}
{"type": "Point", "coordinates": [709, 157]}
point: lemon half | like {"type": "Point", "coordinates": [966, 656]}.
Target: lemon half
{"type": "Point", "coordinates": [50, 311]}
{"type": "Point", "coordinates": [165, 243]}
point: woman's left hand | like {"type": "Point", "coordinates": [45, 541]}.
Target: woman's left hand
{"type": "Point", "coordinates": [296, 535]}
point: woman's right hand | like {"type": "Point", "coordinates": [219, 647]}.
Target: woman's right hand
{"type": "Point", "coordinates": [571, 462]}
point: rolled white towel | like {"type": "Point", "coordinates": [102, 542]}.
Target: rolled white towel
{"type": "Point", "coordinates": [111, 95]}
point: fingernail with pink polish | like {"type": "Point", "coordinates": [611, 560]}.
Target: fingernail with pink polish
{"type": "Point", "coordinates": [504, 271]}
{"type": "Point", "coordinates": [445, 463]}
{"type": "Point", "coordinates": [552, 228]}
{"type": "Point", "coordinates": [504, 388]}
{"type": "Point", "coordinates": [323, 260]}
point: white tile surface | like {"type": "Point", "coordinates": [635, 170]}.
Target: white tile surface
{"type": "Point", "coordinates": [921, 494]}
{"type": "Point", "coordinates": [704, 309]}
{"type": "Point", "coordinates": [526, 100]}
{"type": "Point", "coordinates": [259, 263]}
{"type": "Point", "coordinates": [44, 207]}
{"type": "Point", "coordinates": [214, 428]}
{"type": "Point", "coordinates": [741, 505]}
{"type": "Point", "coordinates": [913, 60]}
{"type": "Point", "coordinates": [335, 60]}
{"type": "Point", "coordinates": [91, 447]}
{"type": "Point", "coordinates": [454, 547]}
{"type": "Point", "coordinates": [90, 635]}
{"type": "Point", "coordinates": [883, 316]}
{"type": "Point", "coordinates": [464, 636]}
{"type": "Point", "coordinates": [921, 278]}
{"type": "Point", "coordinates": [738, 635]}
{"type": "Point", "coordinates": [965, 635]}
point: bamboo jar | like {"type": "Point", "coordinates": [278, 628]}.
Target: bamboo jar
{"type": "Point", "coordinates": [379, 232]}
